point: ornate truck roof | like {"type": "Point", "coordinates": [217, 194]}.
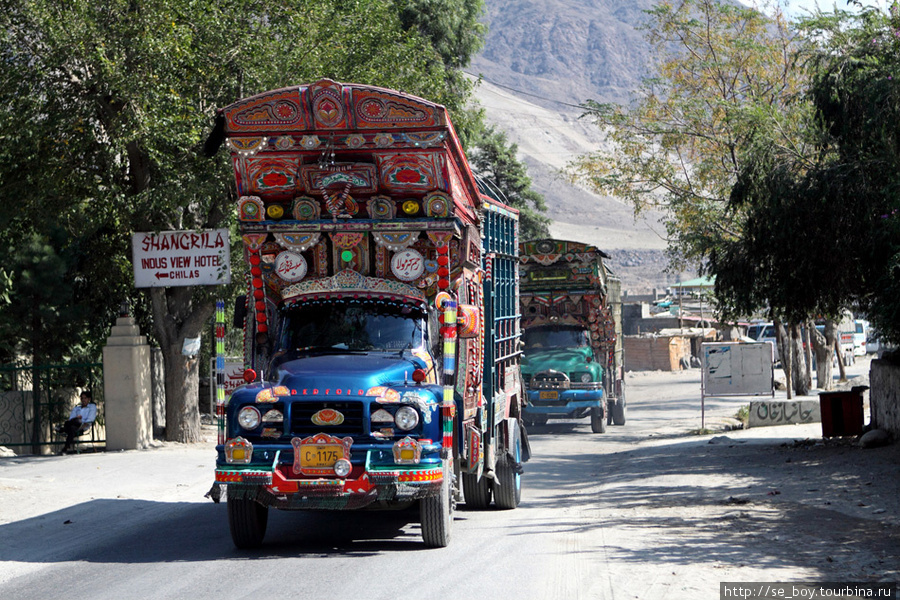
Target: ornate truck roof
{"type": "Point", "coordinates": [343, 143]}
{"type": "Point", "coordinates": [551, 265]}
{"type": "Point", "coordinates": [549, 251]}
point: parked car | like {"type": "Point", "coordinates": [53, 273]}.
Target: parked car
{"type": "Point", "coordinates": [764, 332]}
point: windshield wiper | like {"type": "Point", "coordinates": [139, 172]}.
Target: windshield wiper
{"type": "Point", "coordinates": [326, 350]}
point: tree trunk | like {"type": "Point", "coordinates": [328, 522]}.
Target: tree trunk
{"type": "Point", "coordinates": [37, 357]}
{"type": "Point", "coordinates": [182, 395]}
{"type": "Point", "coordinates": [175, 317]}
{"type": "Point", "coordinates": [784, 347]}
{"type": "Point", "coordinates": [824, 348]}
{"type": "Point", "coordinates": [807, 350]}
{"type": "Point", "coordinates": [801, 383]}
{"type": "Point", "coordinates": [839, 352]}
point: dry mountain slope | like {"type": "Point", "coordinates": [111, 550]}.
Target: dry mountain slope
{"type": "Point", "coordinates": [541, 59]}
{"type": "Point", "coordinates": [566, 50]}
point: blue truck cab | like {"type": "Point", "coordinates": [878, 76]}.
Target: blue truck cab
{"type": "Point", "coordinates": [381, 323]}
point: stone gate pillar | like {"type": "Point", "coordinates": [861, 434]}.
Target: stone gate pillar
{"type": "Point", "coordinates": [126, 387]}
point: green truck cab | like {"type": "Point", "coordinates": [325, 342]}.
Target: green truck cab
{"type": "Point", "coordinates": [571, 314]}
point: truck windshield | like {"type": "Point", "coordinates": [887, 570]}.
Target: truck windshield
{"type": "Point", "coordinates": [555, 336]}
{"type": "Point", "coordinates": [352, 325]}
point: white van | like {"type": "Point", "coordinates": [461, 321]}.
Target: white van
{"type": "Point", "coordinates": [764, 332]}
{"type": "Point", "coordinates": [854, 334]}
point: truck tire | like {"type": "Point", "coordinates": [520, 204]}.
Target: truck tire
{"type": "Point", "coordinates": [508, 488]}
{"type": "Point", "coordinates": [247, 520]}
{"type": "Point", "coordinates": [477, 492]}
{"type": "Point", "coordinates": [436, 513]}
{"type": "Point", "coordinates": [598, 420]}
{"type": "Point", "coordinates": [537, 420]}
{"type": "Point", "coordinates": [618, 411]}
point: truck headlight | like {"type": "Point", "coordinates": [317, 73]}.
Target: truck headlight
{"type": "Point", "coordinates": [406, 418]}
{"type": "Point", "coordinates": [342, 467]}
{"type": "Point", "coordinates": [248, 417]}
{"type": "Point", "coordinates": [586, 378]}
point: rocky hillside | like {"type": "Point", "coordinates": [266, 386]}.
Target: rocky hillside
{"type": "Point", "coordinates": [540, 60]}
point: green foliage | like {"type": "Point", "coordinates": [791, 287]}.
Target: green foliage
{"type": "Point", "coordinates": [494, 159]}
{"type": "Point", "coordinates": [821, 230]}
{"type": "Point", "coordinates": [44, 301]}
{"type": "Point", "coordinates": [723, 74]}
{"type": "Point", "coordinates": [107, 106]}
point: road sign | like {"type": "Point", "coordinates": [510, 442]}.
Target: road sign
{"type": "Point", "coordinates": [181, 258]}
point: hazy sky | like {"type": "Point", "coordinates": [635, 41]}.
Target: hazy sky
{"type": "Point", "coordinates": [796, 8]}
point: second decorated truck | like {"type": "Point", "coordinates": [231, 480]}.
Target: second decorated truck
{"type": "Point", "coordinates": [381, 321]}
{"type": "Point", "coordinates": [572, 321]}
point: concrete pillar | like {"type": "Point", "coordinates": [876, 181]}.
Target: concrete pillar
{"type": "Point", "coordinates": [126, 387]}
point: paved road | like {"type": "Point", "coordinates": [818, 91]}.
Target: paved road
{"type": "Point", "coordinates": [643, 511]}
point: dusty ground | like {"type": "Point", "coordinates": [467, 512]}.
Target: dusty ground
{"type": "Point", "coordinates": [648, 510]}
{"type": "Point", "coordinates": [782, 500]}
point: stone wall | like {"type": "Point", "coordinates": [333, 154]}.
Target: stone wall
{"type": "Point", "coordinates": [656, 353]}
{"type": "Point", "coordinates": [884, 396]}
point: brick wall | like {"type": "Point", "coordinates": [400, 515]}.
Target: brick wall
{"type": "Point", "coordinates": [656, 353]}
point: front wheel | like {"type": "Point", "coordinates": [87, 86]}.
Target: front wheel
{"type": "Point", "coordinates": [247, 520]}
{"type": "Point", "coordinates": [537, 420]}
{"type": "Point", "coordinates": [436, 513]}
{"type": "Point", "coordinates": [618, 411]}
{"type": "Point", "coordinates": [598, 420]}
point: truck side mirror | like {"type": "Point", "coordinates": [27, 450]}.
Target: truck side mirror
{"type": "Point", "coordinates": [240, 311]}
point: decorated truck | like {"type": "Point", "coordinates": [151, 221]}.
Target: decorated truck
{"type": "Point", "coordinates": [381, 323]}
{"type": "Point", "coordinates": [572, 333]}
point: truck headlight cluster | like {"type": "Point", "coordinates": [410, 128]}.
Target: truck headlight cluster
{"type": "Point", "coordinates": [249, 417]}
{"type": "Point", "coordinates": [342, 467]}
{"type": "Point", "coordinates": [406, 418]}
{"type": "Point", "coordinates": [586, 378]}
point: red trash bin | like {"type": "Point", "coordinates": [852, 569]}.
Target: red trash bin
{"type": "Point", "coordinates": [842, 412]}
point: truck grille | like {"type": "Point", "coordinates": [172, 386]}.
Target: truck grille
{"type": "Point", "coordinates": [550, 380]}
{"type": "Point", "coordinates": [303, 426]}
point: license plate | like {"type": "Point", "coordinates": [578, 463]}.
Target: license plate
{"type": "Point", "coordinates": [320, 456]}
{"type": "Point", "coordinates": [548, 395]}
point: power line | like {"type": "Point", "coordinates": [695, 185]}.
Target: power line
{"type": "Point", "coordinates": [524, 93]}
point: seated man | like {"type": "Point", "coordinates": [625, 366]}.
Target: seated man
{"type": "Point", "coordinates": [80, 419]}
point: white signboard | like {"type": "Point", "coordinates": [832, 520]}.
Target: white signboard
{"type": "Point", "coordinates": [181, 258]}
{"type": "Point", "coordinates": [737, 369]}
{"type": "Point", "coordinates": [233, 372]}
{"type": "Point", "coordinates": [234, 376]}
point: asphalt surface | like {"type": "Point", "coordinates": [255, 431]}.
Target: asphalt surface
{"type": "Point", "coordinates": [648, 510]}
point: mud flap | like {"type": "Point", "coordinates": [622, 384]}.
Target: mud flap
{"type": "Point", "coordinates": [526, 447]}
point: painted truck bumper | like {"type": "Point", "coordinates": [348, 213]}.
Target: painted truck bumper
{"type": "Point", "coordinates": [569, 404]}
{"type": "Point", "coordinates": [278, 486]}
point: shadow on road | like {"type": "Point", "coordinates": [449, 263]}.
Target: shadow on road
{"type": "Point", "coordinates": [760, 503]}
{"type": "Point", "coordinates": [195, 532]}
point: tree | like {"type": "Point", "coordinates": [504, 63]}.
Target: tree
{"type": "Point", "coordinates": [107, 106]}
{"type": "Point", "coordinates": [856, 92]}
{"type": "Point", "coordinates": [494, 159]}
{"type": "Point", "coordinates": [820, 233]}
{"type": "Point", "coordinates": [722, 73]}
{"type": "Point", "coordinates": [727, 83]}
